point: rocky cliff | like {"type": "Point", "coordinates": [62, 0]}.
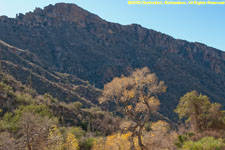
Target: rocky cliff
{"type": "Point", "coordinates": [66, 39]}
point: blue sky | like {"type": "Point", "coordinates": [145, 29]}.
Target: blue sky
{"type": "Point", "coordinates": [205, 23]}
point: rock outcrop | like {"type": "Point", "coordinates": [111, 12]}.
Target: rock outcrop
{"type": "Point", "coordinates": [67, 39]}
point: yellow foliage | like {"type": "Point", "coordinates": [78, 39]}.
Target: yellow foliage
{"type": "Point", "coordinates": [98, 145]}
{"type": "Point", "coordinates": [126, 136]}
{"type": "Point", "coordinates": [153, 103]}
{"type": "Point", "coordinates": [131, 94]}
{"type": "Point", "coordinates": [129, 107]}
{"type": "Point", "coordinates": [71, 142]}
{"type": "Point", "coordinates": [141, 107]}
{"type": "Point", "coordinates": [137, 147]}
{"type": "Point", "coordinates": [127, 95]}
{"type": "Point", "coordinates": [55, 139]}
{"type": "Point", "coordinates": [116, 142]}
{"type": "Point", "coordinates": [135, 94]}
{"type": "Point", "coordinates": [160, 126]}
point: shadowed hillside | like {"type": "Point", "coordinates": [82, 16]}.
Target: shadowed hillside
{"type": "Point", "coordinates": [63, 46]}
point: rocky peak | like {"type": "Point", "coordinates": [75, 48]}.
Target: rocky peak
{"type": "Point", "coordinates": [59, 12]}
{"type": "Point", "coordinates": [69, 12]}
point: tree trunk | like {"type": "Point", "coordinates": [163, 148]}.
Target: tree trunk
{"type": "Point", "coordinates": [132, 147]}
{"type": "Point", "coordinates": [28, 146]}
{"type": "Point", "coordinates": [140, 143]}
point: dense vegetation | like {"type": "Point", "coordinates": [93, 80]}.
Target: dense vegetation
{"type": "Point", "coordinates": [29, 121]}
{"type": "Point", "coordinates": [32, 121]}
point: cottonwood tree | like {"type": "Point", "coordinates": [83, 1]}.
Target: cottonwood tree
{"type": "Point", "coordinates": [200, 113]}
{"type": "Point", "coordinates": [135, 97]}
{"type": "Point", "coordinates": [34, 131]}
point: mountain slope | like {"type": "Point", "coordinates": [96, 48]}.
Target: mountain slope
{"type": "Point", "coordinates": [67, 39]}
{"type": "Point", "coordinates": [64, 86]}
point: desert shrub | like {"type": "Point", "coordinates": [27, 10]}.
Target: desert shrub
{"type": "Point", "coordinates": [206, 143]}
{"type": "Point", "coordinates": [160, 137]}
{"type": "Point", "coordinates": [24, 98]}
{"type": "Point", "coordinates": [10, 121]}
{"type": "Point", "coordinates": [181, 139]}
{"type": "Point", "coordinates": [77, 131]}
{"type": "Point", "coordinates": [5, 88]}
{"type": "Point", "coordinates": [41, 110]}
{"type": "Point", "coordinates": [49, 98]}
{"type": "Point", "coordinates": [86, 143]}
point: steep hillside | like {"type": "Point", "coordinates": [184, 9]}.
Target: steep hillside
{"type": "Point", "coordinates": [66, 87]}
{"type": "Point", "coordinates": [65, 39]}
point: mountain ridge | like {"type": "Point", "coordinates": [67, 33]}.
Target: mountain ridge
{"type": "Point", "coordinates": [67, 39]}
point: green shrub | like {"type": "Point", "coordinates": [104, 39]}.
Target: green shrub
{"type": "Point", "coordinates": [182, 139]}
{"type": "Point", "coordinates": [41, 110]}
{"type": "Point", "coordinates": [86, 144]}
{"type": "Point", "coordinates": [24, 98]}
{"type": "Point", "coordinates": [77, 131]}
{"type": "Point", "coordinates": [50, 98]}
{"type": "Point", "coordinates": [77, 105]}
{"type": "Point", "coordinates": [5, 88]}
{"type": "Point", "coordinates": [206, 143]}
{"type": "Point", "coordinates": [11, 120]}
